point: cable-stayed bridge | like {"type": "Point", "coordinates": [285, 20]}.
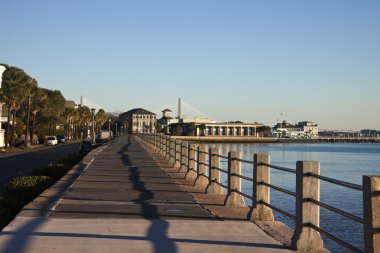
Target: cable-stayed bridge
{"type": "Point", "coordinates": [186, 110]}
{"type": "Point", "coordinates": [90, 104]}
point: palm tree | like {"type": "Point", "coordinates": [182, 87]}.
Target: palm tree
{"type": "Point", "coordinates": [55, 108]}
{"type": "Point", "coordinates": [17, 86]}
{"type": "Point", "coordinates": [69, 114]}
{"type": "Point", "coordinates": [85, 117]}
{"type": "Point", "coordinates": [100, 118]}
{"type": "Point", "coordinates": [38, 103]}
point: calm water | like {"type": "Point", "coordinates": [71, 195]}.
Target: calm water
{"type": "Point", "coordinates": [346, 162]}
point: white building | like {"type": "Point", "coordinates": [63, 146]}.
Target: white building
{"type": "Point", "coordinates": [303, 129]}
{"type": "Point", "coordinates": [139, 120]}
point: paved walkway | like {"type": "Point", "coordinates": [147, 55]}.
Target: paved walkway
{"type": "Point", "coordinates": [124, 202]}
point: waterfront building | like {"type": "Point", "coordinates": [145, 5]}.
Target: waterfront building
{"type": "Point", "coordinates": [303, 129]}
{"type": "Point", "coordinates": [167, 118]}
{"type": "Point", "coordinates": [309, 128]}
{"type": "Point", "coordinates": [139, 120]}
{"type": "Point", "coordinates": [216, 129]}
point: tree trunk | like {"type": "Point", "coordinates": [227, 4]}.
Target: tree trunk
{"type": "Point", "coordinates": [13, 128]}
{"type": "Point", "coordinates": [32, 129]}
{"type": "Point", "coordinates": [8, 126]}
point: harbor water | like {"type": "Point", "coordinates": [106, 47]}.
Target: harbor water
{"type": "Point", "coordinates": [344, 161]}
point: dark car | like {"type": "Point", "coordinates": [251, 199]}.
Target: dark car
{"type": "Point", "coordinates": [85, 146]}
{"type": "Point", "coordinates": [61, 139]}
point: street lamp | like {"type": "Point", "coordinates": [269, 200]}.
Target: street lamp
{"type": "Point", "coordinates": [109, 129]}
{"type": "Point", "coordinates": [93, 125]}
{"type": "Point", "coordinates": [116, 129]}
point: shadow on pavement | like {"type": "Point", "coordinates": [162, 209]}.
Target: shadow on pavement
{"type": "Point", "coordinates": [157, 232]}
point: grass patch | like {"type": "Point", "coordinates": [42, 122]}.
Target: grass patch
{"type": "Point", "coordinates": [23, 189]}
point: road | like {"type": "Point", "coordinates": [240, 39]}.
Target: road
{"type": "Point", "coordinates": [15, 164]}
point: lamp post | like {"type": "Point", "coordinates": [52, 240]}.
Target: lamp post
{"type": "Point", "coordinates": [109, 129]}
{"type": "Point", "coordinates": [93, 125]}
{"type": "Point", "coordinates": [116, 129]}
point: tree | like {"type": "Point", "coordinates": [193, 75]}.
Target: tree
{"type": "Point", "coordinates": [100, 118]}
{"type": "Point", "coordinates": [38, 104]}
{"type": "Point", "coordinates": [191, 129]}
{"type": "Point", "coordinates": [177, 130]}
{"type": "Point", "coordinates": [55, 108]}
{"type": "Point", "coordinates": [158, 127]}
{"type": "Point", "coordinates": [16, 88]}
{"type": "Point", "coordinates": [69, 114]}
{"type": "Point", "coordinates": [84, 118]}
{"type": "Point", "coordinates": [260, 129]}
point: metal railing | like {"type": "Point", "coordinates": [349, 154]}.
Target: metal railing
{"type": "Point", "coordinates": [192, 159]}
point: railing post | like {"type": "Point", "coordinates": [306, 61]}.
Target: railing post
{"type": "Point", "coordinates": [177, 155]}
{"type": "Point", "coordinates": [167, 147]}
{"type": "Point", "coordinates": [164, 146]}
{"type": "Point", "coordinates": [371, 210]}
{"type": "Point", "coordinates": [202, 180]}
{"type": "Point", "coordinates": [184, 159]}
{"type": "Point", "coordinates": [192, 173]}
{"type": "Point", "coordinates": [261, 193]}
{"type": "Point", "coordinates": [165, 153]}
{"type": "Point", "coordinates": [172, 151]}
{"type": "Point", "coordinates": [306, 238]}
{"type": "Point", "coordinates": [234, 198]}
{"type": "Point", "coordinates": [214, 173]}
{"type": "Point", "coordinates": [160, 143]}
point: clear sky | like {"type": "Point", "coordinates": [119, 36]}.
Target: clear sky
{"type": "Point", "coordinates": [248, 60]}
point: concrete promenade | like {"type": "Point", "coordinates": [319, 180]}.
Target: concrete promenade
{"type": "Point", "coordinates": [124, 201]}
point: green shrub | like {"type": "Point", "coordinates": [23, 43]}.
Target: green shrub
{"type": "Point", "coordinates": [21, 190]}
{"type": "Point", "coordinates": [55, 171]}
{"type": "Point", "coordinates": [26, 188]}
{"type": "Point", "coordinates": [59, 169]}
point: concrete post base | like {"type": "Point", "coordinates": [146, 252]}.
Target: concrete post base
{"type": "Point", "coordinates": [201, 181]}
{"type": "Point", "coordinates": [191, 175]}
{"type": "Point", "coordinates": [309, 241]}
{"type": "Point", "coordinates": [235, 199]}
{"type": "Point", "coordinates": [262, 213]}
{"type": "Point", "coordinates": [214, 189]}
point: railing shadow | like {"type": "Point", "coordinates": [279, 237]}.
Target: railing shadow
{"type": "Point", "coordinates": [157, 232]}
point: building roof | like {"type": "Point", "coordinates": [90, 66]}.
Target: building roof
{"type": "Point", "coordinates": [167, 110]}
{"type": "Point", "coordinates": [70, 104]}
{"type": "Point", "coordinates": [138, 111]}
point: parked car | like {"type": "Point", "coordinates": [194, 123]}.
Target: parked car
{"type": "Point", "coordinates": [51, 140]}
{"type": "Point", "coordinates": [62, 139]}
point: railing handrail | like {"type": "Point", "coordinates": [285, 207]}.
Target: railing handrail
{"type": "Point", "coordinates": [338, 182]}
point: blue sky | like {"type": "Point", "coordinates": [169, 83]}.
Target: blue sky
{"type": "Point", "coordinates": [233, 60]}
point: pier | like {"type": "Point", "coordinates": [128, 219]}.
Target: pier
{"type": "Point", "coordinates": [127, 197]}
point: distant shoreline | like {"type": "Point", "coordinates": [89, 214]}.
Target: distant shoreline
{"type": "Point", "coordinates": [245, 139]}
